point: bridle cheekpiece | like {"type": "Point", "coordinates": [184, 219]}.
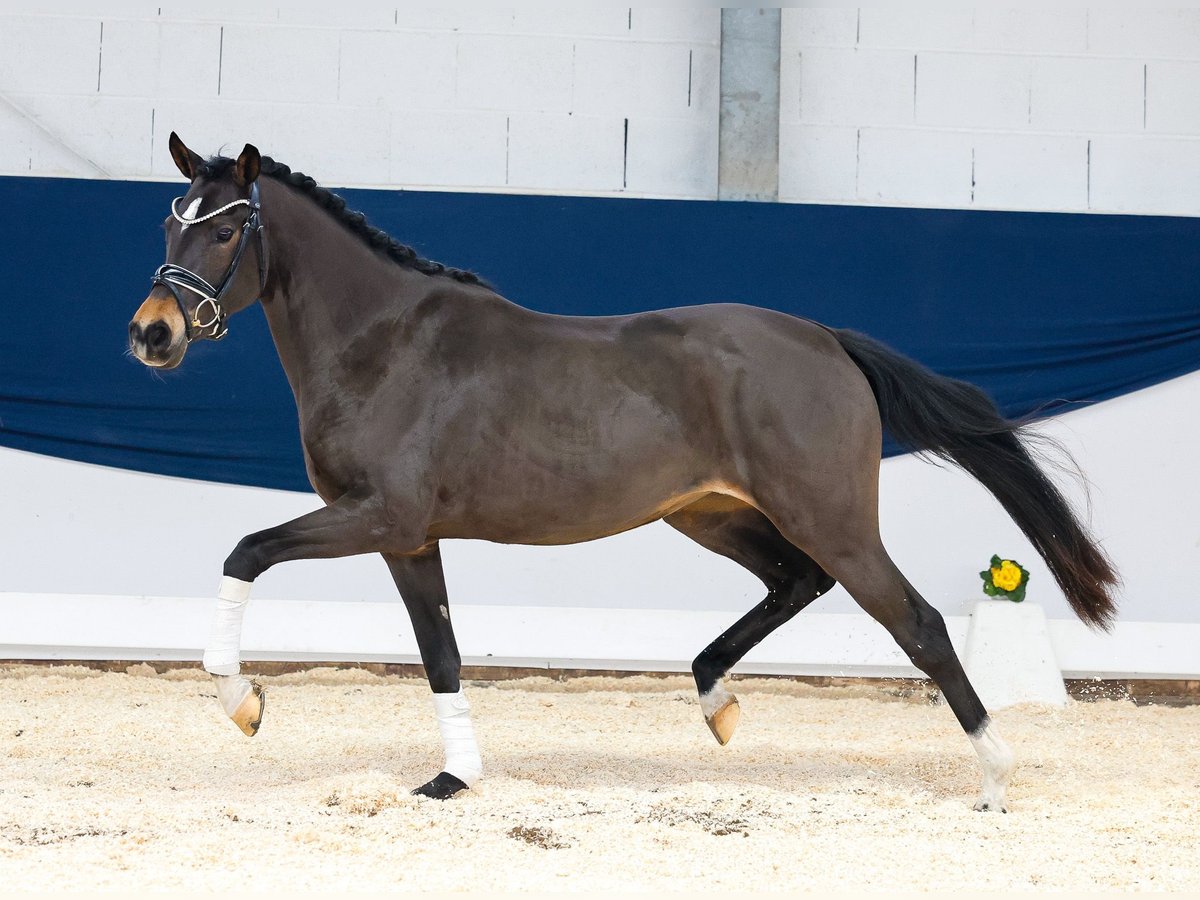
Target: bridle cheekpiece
{"type": "Point", "coordinates": [174, 277]}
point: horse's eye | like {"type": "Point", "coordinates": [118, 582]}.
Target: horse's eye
{"type": "Point", "coordinates": [224, 233]}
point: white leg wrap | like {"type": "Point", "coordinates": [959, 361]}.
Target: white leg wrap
{"type": "Point", "coordinates": [996, 760]}
{"type": "Point", "coordinates": [223, 656]}
{"type": "Point", "coordinates": [458, 737]}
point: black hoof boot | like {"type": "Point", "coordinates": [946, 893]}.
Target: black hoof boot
{"type": "Point", "coordinates": [443, 787]}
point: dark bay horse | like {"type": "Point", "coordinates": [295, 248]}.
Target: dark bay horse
{"type": "Point", "coordinates": [431, 407]}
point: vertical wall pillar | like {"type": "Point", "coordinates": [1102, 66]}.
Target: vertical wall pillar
{"type": "Point", "coordinates": [749, 144]}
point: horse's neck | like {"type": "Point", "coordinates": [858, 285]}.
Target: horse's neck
{"type": "Point", "coordinates": [325, 286]}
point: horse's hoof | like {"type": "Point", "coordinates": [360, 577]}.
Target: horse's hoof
{"type": "Point", "coordinates": [443, 787]}
{"type": "Point", "coordinates": [249, 714]}
{"type": "Point", "coordinates": [723, 722]}
{"type": "Point", "coordinates": [982, 805]}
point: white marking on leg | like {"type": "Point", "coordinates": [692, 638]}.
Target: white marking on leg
{"type": "Point", "coordinates": [714, 699]}
{"type": "Point", "coordinates": [445, 612]}
{"type": "Point", "coordinates": [231, 691]}
{"type": "Point", "coordinates": [458, 737]}
{"type": "Point", "coordinates": [191, 212]}
{"type": "Point", "coordinates": [996, 760]}
{"type": "Point", "coordinates": [223, 656]}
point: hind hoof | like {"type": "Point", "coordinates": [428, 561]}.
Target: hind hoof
{"type": "Point", "coordinates": [724, 721]}
{"type": "Point", "coordinates": [249, 714]}
{"type": "Point", "coordinates": [442, 787]}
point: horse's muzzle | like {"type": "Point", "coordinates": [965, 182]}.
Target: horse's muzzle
{"type": "Point", "coordinates": [155, 344]}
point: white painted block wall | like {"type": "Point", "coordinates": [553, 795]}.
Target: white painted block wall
{"type": "Point", "coordinates": [1069, 109]}
{"type": "Point", "coordinates": [588, 100]}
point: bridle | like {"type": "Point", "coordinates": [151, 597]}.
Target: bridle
{"type": "Point", "coordinates": [174, 277]}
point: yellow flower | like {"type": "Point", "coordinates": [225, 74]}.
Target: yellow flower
{"type": "Point", "coordinates": [1007, 577]}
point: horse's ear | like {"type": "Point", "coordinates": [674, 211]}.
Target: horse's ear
{"type": "Point", "coordinates": [189, 163]}
{"type": "Point", "coordinates": [246, 170]}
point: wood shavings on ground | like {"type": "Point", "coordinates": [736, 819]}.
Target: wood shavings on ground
{"type": "Point", "coordinates": [137, 781]}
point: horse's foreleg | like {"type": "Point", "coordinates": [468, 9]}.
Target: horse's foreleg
{"type": "Point", "coordinates": [743, 534]}
{"type": "Point", "coordinates": [423, 588]}
{"type": "Point", "coordinates": [343, 528]}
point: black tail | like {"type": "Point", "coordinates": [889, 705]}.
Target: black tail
{"type": "Point", "coordinates": [958, 422]}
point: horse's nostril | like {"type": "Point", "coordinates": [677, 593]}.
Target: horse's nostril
{"type": "Point", "coordinates": [158, 337]}
{"type": "Point", "coordinates": [135, 333]}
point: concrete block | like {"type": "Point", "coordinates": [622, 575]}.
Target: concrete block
{"type": "Point", "coordinates": [1137, 31]}
{"type": "Point", "coordinates": [672, 157]}
{"type": "Point", "coordinates": [706, 80]}
{"type": "Point", "coordinates": [220, 11]}
{"type": "Point", "coordinates": [1010, 658]}
{"type": "Point", "coordinates": [970, 90]}
{"type": "Point", "coordinates": [915, 27]}
{"type": "Point", "coordinates": [449, 148]}
{"type": "Point", "coordinates": [1029, 29]}
{"type": "Point", "coordinates": [1030, 171]}
{"type": "Point", "coordinates": [114, 132]}
{"type": "Point", "coordinates": [146, 10]}
{"type": "Point", "coordinates": [160, 59]}
{"type": "Point", "coordinates": [803, 27]}
{"type": "Point", "coordinates": [190, 57]}
{"type": "Point", "coordinates": [280, 63]}
{"type": "Point", "coordinates": [51, 55]}
{"type": "Point", "coordinates": [918, 168]}
{"type": "Point", "coordinates": [1154, 176]}
{"type": "Point", "coordinates": [1090, 95]}
{"type": "Point", "coordinates": [572, 21]}
{"type": "Point", "coordinates": [134, 58]}
{"type": "Point", "coordinates": [1173, 97]}
{"type": "Point", "coordinates": [397, 70]}
{"type": "Point", "coordinates": [564, 152]}
{"type": "Point", "coordinates": [856, 87]}
{"type": "Point", "coordinates": [339, 15]}
{"type": "Point", "coordinates": [513, 73]}
{"type": "Point", "coordinates": [336, 145]}
{"type": "Point", "coordinates": [24, 150]}
{"type": "Point", "coordinates": [458, 19]}
{"type": "Point", "coordinates": [817, 163]}
{"type": "Point", "coordinates": [789, 84]}
{"type": "Point", "coordinates": [693, 25]}
{"type": "Point", "coordinates": [625, 78]}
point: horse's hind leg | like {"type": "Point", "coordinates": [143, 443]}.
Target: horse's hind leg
{"type": "Point", "coordinates": [743, 534]}
{"type": "Point", "coordinates": [878, 586]}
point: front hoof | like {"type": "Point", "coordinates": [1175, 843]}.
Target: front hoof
{"type": "Point", "coordinates": [443, 787]}
{"type": "Point", "coordinates": [724, 721]}
{"type": "Point", "coordinates": [249, 714]}
{"type": "Point", "coordinates": [986, 805]}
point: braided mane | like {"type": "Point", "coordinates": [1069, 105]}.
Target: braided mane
{"type": "Point", "coordinates": [355, 222]}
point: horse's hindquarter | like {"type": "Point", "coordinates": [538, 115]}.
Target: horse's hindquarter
{"type": "Point", "coordinates": [575, 428]}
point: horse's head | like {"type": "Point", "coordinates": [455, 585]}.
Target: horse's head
{"type": "Point", "coordinates": [211, 233]}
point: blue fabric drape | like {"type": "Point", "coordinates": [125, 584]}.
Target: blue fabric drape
{"type": "Point", "coordinates": [1035, 308]}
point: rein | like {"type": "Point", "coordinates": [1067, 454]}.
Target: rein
{"type": "Point", "coordinates": [174, 277]}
